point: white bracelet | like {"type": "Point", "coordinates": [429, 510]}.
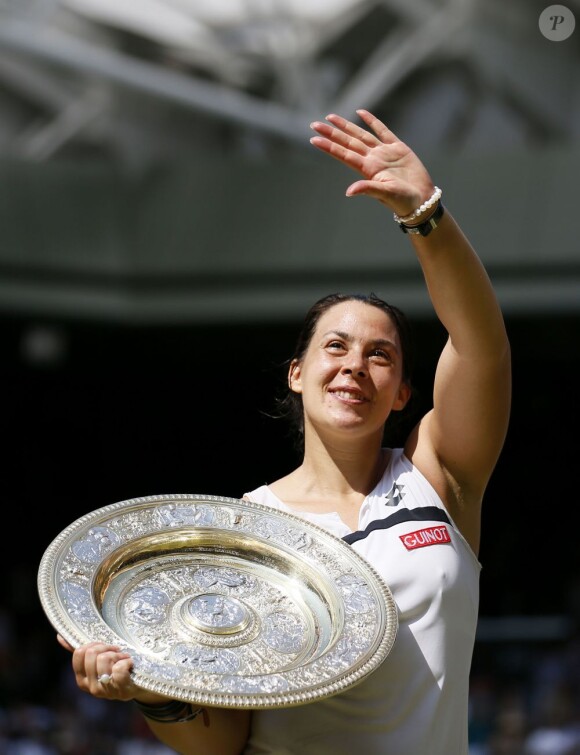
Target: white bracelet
{"type": "Point", "coordinates": [433, 199]}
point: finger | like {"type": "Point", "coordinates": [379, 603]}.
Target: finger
{"type": "Point", "coordinates": [345, 156]}
{"type": "Point", "coordinates": [118, 684]}
{"type": "Point", "coordinates": [385, 192]}
{"type": "Point", "coordinates": [104, 664]}
{"type": "Point", "coordinates": [123, 677]}
{"type": "Point", "coordinates": [106, 658]}
{"type": "Point", "coordinates": [340, 138]}
{"type": "Point", "coordinates": [353, 131]}
{"type": "Point", "coordinates": [112, 676]}
{"type": "Point", "coordinates": [111, 662]}
{"type": "Point", "coordinates": [384, 134]}
{"type": "Point", "coordinates": [84, 653]}
{"type": "Point", "coordinates": [65, 644]}
{"type": "Point", "coordinates": [357, 188]}
{"type": "Point", "coordinates": [93, 659]}
{"type": "Point", "coordinates": [122, 669]}
{"type": "Point", "coordinates": [368, 188]}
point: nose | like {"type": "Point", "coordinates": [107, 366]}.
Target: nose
{"type": "Point", "coordinates": [354, 365]}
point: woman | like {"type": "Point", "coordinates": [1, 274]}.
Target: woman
{"type": "Point", "coordinates": [412, 512]}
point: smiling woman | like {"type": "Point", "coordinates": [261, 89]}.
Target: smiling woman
{"type": "Point", "coordinates": [413, 511]}
{"type": "Point", "coordinates": [389, 346]}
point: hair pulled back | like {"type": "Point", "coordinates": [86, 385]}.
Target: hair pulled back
{"type": "Point", "coordinates": [290, 403]}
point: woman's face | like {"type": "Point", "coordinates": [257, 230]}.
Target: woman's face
{"type": "Point", "coordinates": [351, 375]}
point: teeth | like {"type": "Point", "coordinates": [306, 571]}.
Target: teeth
{"type": "Point", "coordinates": [348, 394]}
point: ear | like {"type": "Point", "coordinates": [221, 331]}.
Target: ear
{"type": "Point", "coordinates": [294, 376]}
{"type": "Point", "coordinates": [403, 397]}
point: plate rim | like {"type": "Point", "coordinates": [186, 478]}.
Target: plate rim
{"type": "Point", "coordinates": [47, 585]}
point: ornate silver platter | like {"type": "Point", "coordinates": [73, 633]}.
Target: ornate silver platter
{"type": "Point", "coordinates": [219, 601]}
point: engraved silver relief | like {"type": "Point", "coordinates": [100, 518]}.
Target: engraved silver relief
{"type": "Point", "coordinates": [218, 600]}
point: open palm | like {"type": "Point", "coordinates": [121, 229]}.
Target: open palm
{"type": "Point", "coordinates": [392, 172]}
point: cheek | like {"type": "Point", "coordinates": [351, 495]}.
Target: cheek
{"type": "Point", "coordinates": [319, 369]}
{"type": "Point", "coordinates": [388, 389]}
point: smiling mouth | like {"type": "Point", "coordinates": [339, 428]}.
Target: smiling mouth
{"type": "Point", "coordinates": [349, 396]}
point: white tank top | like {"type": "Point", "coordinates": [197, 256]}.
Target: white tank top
{"type": "Point", "coordinates": [416, 701]}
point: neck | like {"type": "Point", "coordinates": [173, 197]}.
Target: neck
{"type": "Point", "coordinates": [340, 470]}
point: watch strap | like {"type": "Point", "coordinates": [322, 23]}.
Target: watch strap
{"type": "Point", "coordinates": [425, 228]}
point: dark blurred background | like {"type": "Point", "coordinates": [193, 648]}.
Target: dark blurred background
{"type": "Point", "coordinates": [164, 225]}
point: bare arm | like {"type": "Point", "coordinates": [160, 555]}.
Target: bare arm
{"type": "Point", "coordinates": [472, 389]}
{"type": "Point", "coordinates": [457, 444]}
{"type": "Point", "coordinates": [219, 731]}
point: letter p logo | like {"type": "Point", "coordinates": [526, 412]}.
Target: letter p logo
{"type": "Point", "coordinates": [556, 23]}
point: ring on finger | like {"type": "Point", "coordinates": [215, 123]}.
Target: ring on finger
{"type": "Point", "coordinates": [104, 678]}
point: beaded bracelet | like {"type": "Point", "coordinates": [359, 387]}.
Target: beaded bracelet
{"type": "Point", "coordinates": [173, 712]}
{"type": "Point", "coordinates": [428, 225]}
{"type": "Point", "coordinates": [433, 199]}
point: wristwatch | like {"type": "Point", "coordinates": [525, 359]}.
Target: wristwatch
{"type": "Point", "coordinates": [425, 228]}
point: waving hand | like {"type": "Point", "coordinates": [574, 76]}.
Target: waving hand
{"type": "Point", "coordinates": [392, 172]}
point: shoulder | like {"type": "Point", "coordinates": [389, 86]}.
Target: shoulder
{"type": "Point", "coordinates": [264, 496]}
{"type": "Point", "coordinates": [255, 495]}
{"type": "Point", "coordinates": [462, 503]}
{"type": "Point", "coordinates": [421, 453]}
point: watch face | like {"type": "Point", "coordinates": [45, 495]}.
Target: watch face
{"type": "Point", "coordinates": [219, 601]}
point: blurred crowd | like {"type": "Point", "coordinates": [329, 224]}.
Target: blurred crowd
{"type": "Point", "coordinates": [527, 701]}
{"type": "Point", "coordinates": [524, 699]}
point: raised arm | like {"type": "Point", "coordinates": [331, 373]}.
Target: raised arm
{"type": "Point", "coordinates": [457, 444]}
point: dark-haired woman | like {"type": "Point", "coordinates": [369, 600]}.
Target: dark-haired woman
{"type": "Point", "coordinates": [413, 512]}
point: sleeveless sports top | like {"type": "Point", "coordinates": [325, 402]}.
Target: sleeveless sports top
{"type": "Point", "coordinates": [416, 701]}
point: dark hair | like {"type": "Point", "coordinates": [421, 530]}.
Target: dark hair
{"type": "Point", "coordinates": [290, 403]}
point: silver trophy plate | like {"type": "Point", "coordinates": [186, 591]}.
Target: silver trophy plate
{"type": "Point", "coordinates": [219, 601]}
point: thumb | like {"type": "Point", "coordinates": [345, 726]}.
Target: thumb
{"type": "Point", "coordinates": [358, 187]}
{"type": "Point", "coordinates": [65, 644]}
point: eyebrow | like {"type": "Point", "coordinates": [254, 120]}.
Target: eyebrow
{"type": "Point", "coordinates": [376, 342]}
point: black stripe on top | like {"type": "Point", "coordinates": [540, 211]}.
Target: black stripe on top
{"type": "Point", "coordinates": [420, 514]}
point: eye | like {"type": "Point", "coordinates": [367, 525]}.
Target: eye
{"type": "Point", "coordinates": [382, 355]}
{"type": "Point", "coordinates": [335, 345]}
